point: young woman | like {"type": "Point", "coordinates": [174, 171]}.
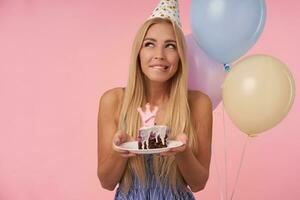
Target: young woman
{"type": "Point", "coordinates": [158, 76]}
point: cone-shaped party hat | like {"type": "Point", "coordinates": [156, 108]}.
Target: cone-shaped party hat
{"type": "Point", "coordinates": [167, 9]}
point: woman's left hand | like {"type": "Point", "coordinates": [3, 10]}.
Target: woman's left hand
{"type": "Point", "coordinates": [173, 151]}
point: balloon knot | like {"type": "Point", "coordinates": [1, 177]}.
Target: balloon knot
{"type": "Point", "coordinates": [226, 67]}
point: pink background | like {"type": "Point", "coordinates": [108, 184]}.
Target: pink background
{"type": "Point", "coordinates": [58, 57]}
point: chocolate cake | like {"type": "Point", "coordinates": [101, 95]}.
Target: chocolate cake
{"type": "Point", "coordinates": [151, 136]}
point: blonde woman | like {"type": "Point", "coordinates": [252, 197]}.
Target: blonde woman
{"type": "Point", "coordinates": [158, 76]}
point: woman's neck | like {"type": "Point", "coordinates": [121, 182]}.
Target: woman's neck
{"type": "Point", "coordinates": [157, 94]}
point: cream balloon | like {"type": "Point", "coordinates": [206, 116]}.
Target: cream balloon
{"type": "Point", "coordinates": [258, 93]}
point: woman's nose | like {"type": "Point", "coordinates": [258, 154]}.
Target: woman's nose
{"type": "Point", "coordinates": [159, 54]}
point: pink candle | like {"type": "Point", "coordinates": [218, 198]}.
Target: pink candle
{"type": "Point", "coordinates": [148, 117]}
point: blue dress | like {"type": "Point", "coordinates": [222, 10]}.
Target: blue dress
{"type": "Point", "coordinates": [154, 190]}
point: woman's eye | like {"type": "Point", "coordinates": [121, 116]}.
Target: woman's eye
{"type": "Point", "coordinates": [149, 44]}
{"type": "Point", "coordinates": [172, 46]}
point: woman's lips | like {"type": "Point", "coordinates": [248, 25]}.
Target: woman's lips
{"type": "Point", "coordinates": [160, 67]}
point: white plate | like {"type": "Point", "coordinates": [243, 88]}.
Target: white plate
{"type": "Point", "coordinates": [133, 147]}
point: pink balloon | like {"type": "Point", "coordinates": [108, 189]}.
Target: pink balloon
{"type": "Point", "coordinates": [205, 74]}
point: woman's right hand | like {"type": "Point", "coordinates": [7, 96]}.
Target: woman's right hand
{"type": "Point", "coordinates": [119, 138]}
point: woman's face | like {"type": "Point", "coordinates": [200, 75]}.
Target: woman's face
{"type": "Point", "coordinates": [159, 56]}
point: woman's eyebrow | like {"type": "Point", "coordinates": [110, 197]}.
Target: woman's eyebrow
{"type": "Point", "coordinates": [154, 40]}
{"type": "Point", "coordinates": [170, 41]}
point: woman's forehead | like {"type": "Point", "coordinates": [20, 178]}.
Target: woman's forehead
{"type": "Point", "coordinates": [163, 31]}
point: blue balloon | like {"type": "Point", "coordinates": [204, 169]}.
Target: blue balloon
{"type": "Point", "coordinates": [227, 29]}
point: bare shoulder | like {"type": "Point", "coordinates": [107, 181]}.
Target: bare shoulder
{"type": "Point", "coordinates": [199, 100]}
{"type": "Point", "coordinates": [200, 107]}
{"type": "Point", "coordinates": [111, 100]}
{"type": "Point", "coordinates": [112, 96]}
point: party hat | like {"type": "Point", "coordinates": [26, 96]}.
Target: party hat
{"type": "Point", "coordinates": [167, 9]}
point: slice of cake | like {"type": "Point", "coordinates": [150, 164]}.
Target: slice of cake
{"type": "Point", "coordinates": [151, 136]}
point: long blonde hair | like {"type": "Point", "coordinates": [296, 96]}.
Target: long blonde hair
{"type": "Point", "coordinates": [177, 115]}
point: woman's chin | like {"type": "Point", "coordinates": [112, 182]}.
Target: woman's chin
{"type": "Point", "coordinates": [158, 79]}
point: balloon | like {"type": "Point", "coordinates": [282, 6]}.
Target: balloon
{"type": "Point", "coordinates": [258, 93]}
{"type": "Point", "coordinates": [227, 29]}
{"type": "Point", "coordinates": [205, 74]}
